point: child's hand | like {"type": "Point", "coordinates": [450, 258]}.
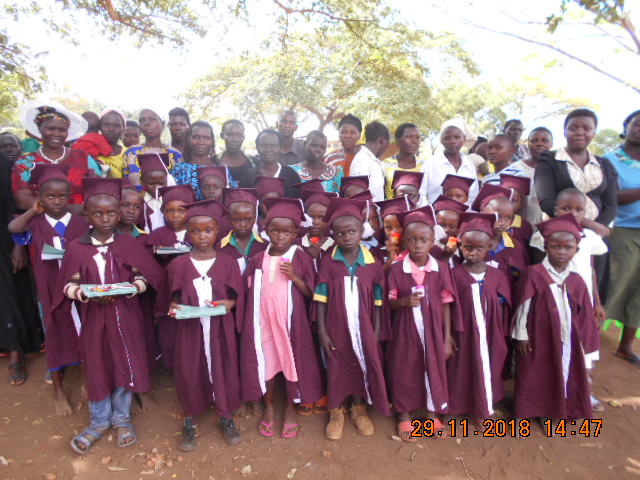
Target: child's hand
{"type": "Point", "coordinates": [326, 344]}
{"type": "Point", "coordinates": [287, 269]}
{"type": "Point", "coordinates": [18, 258]}
{"type": "Point", "coordinates": [449, 348]}
{"type": "Point", "coordinates": [104, 300]}
{"type": "Point", "coordinates": [601, 315]}
{"type": "Point", "coordinates": [37, 208]}
{"type": "Point", "coordinates": [227, 304]}
{"type": "Point", "coordinates": [412, 300]}
{"type": "Point", "coordinates": [173, 307]}
{"type": "Point", "coordinates": [523, 347]}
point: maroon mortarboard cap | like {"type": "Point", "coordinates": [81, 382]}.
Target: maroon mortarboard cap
{"type": "Point", "coordinates": [393, 206]}
{"type": "Point", "coordinates": [456, 181]}
{"type": "Point", "coordinates": [206, 208]}
{"type": "Point", "coordinates": [313, 185]}
{"type": "Point", "coordinates": [233, 195]}
{"type": "Point", "coordinates": [563, 223]}
{"type": "Point", "coordinates": [219, 171]}
{"type": "Point", "coordinates": [360, 181]}
{"type": "Point", "coordinates": [344, 207]}
{"type": "Point", "coordinates": [487, 193]}
{"type": "Point", "coordinates": [43, 172]}
{"type": "Point", "coordinates": [422, 215]}
{"type": "Point", "coordinates": [153, 162]}
{"type": "Point", "coordinates": [182, 193]}
{"type": "Point", "coordinates": [284, 208]}
{"type": "Point", "coordinates": [401, 177]}
{"type": "Point", "coordinates": [363, 195]}
{"type": "Point", "coordinates": [444, 203]}
{"type": "Point", "coordinates": [127, 184]}
{"type": "Point", "coordinates": [311, 197]}
{"type": "Point", "coordinates": [269, 184]}
{"type": "Point", "coordinates": [522, 185]}
{"type": "Point", "coordinates": [96, 186]}
{"type": "Point", "coordinates": [476, 222]}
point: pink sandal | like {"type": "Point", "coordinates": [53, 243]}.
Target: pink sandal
{"type": "Point", "coordinates": [266, 430]}
{"type": "Point", "coordinates": [292, 428]}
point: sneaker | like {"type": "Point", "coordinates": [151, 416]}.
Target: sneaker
{"type": "Point", "coordinates": [188, 440]}
{"type": "Point", "coordinates": [230, 431]}
{"type": "Point", "coordinates": [333, 430]}
{"type": "Point", "coordinates": [361, 419]}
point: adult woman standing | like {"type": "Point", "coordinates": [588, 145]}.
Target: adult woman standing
{"type": "Point", "coordinates": [575, 167]}
{"type": "Point", "coordinates": [314, 167]}
{"type": "Point", "coordinates": [349, 129]}
{"type": "Point", "coordinates": [623, 302]}
{"type": "Point", "coordinates": [407, 138]}
{"type": "Point", "coordinates": [54, 126]}
{"type": "Point", "coordinates": [200, 152]}
{"type": "Point", "coordinates": [232, 132]}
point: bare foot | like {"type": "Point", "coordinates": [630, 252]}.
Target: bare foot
{"type": "Point", "coordinates": [61, 404]}
{"type": "Point", "coordinates": [258, 409]}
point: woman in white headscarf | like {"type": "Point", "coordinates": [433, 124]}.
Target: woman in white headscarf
{"type": "Point", "coordinates": [449, 159]}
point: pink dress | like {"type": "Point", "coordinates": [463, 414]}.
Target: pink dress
{"type": "Point", "coordinates": [274, 319]}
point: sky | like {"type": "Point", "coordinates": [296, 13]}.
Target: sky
{"type": "Point", "coordinates": [120, 75]}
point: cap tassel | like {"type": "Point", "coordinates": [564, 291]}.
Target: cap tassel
{"type": "Point", "coordinates": [368, 229]}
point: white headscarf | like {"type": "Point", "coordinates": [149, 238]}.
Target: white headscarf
{"type": "Point", "coordinates": [458, 122]}
{"type": "Point", "coordinates": [77, 125]}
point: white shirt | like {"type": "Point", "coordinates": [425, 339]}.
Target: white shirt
{"type": "Point", "coordinates": [366, 163]}
{"type": "Point", "coordinates": [57, 243]}
{"type": "Point", "coordinates": [438, 167]}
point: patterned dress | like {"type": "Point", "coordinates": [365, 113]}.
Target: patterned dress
{"type": "Point", "coordinates": [331, 177]}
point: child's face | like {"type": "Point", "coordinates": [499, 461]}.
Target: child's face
{"type": "Point", "coordinates": [347, 232]}
{"type": "Point", "coordinates": [175, 215]}
{"type": "Point", "coordinates": [410, 191]}
{"type": "Point", "coordinates": [54, 196]}
{"type": "Point", "coordinates": [392, 228]}
{"type": "Point", "coordinates": [500, 151]}
{"type": "Point", "coordinates": [516, 200]}
{"type": "Point", "coordinates": [153, 180]}
{"type": "Point", "coordinates": [319, 227]}
{"type": "Point", "coordinates": [571, 203]}
{"type": "Point", "coordinates": [202, 232]}
{"type": "Point", "coordinates": [131, 136]}
{"type": "Point", "coordinates": [374, 220]}
{"type": "Point", "coordinates": [474, 246]}
{"type": "Point", "coordinates": [130, 206]}
{"type": "Point", "coordinates": [242, 217]}
{"type": "Point", "coordinates": [457, 194]}
{"type": "Point", "coordinates": [504, 209]}
{"type": "Point", "coordinates": [418, 240]}
{"type": "Point", "coordinates": [281, 232]}
{"type": "Point", "coordinates": [449, 221]}
{"type": "Point", "coordinates": [560, 248]}
{"type": "Point", "coordinates": [211, 187]}
{"type": "Point", "coordinates": [352, 190]}
{"type": "Point", "coordinates": [103, 213]}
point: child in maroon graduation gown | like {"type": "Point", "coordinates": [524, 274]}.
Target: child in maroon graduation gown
{"type": "Point", "coordinates": [50, 223]}
{"type": "Point", "coordinates": [316, 241]}
{"type": "Point", "coordinates": [112, 334]}
{"type": "Point", "coordinates": [243, 240]}
{"type": "Point", "coordinates": [171, 234]}
{"type": "Point", "coordinates": [348, 302]}
{"type": "Point", "coordinates": [206, 368]}
{"type": "Point", "coordinates": [484, 294]}
{"type": "Point", "coordinates": [153, 175]}
{"type": "Point", "coordinates": [389, 252]}
{"type": "Point", "coordinates": [554, 328]}
{"type": "Point", "coordinates": [130, 208]}
{"type": "Point", "coordinates": [421, 295]}
{"type": "Point", "coordinates": [408, 183]}
{"type": "Point", "coordinates": [212, 180]}
{"type": "Point", "coordinates": [448, 213]}
{"type": "Point", "coordinates": [457, 188]}
{"type": "Point", "coordinates": [519, 187]}
{"type": "Point", "coordinates": [276, 336]}
{"type": "Point", "coordinates": [267, 187]}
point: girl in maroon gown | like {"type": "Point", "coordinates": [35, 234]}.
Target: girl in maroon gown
{"type": "Point", "coordinates": [276, 336]}
{"type": "Point", "coordinates": [555, 325]}
{"type": "Point", "coordinates": [520, 229]}
{"type": "Point", "coordinates": [421, 296]}
{"type": "Point", "coordinates": [206, 368]}
{"type": "Point", "coordinates": [112, 343]}
{"type": "Point", "coordinates": [348, 303]}
{"type": "Point", "coordinates": [475, 371]}
{"type": "Point", "coordinates": [391, 249]}
{"type": "Point", "coordinates": [448, 213]}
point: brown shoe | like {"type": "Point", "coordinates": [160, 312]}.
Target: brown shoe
{"type": "Point", "coordinates": [333, 430]}
{"type": "Point", "coordinates": [361, 419]}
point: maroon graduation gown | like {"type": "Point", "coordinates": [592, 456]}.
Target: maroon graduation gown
{"type": "Point", "coordinates": [410, 362]}
{"type": "Point", "coordinates": [234, 253]}
{"type": "Point", "coordinates": [61, 338]}
{"type": "Point", "coordinates": [195, 388]}
{"type": "Point", "coordinates": [112, 342]}
{"type": "Point", "coordinates": [512, 261]}
{"type": "Point", "coordinates": [308, 389]}
{"type": "Point", "coordinates": [345, 375]}
{"type": "Point", "coordinates": [467, 392]}
{"type": "Point", "coordinates": [539, 387]}
{"type": "Point", "coordinates": [523, 232]}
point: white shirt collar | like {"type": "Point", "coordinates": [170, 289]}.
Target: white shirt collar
{"type": "Point", "coordinates": [52, 221]}
{"type": "Point", "coordinates": [328, 243]}
{"type": "Point", "coordinates": [99, 244]}
{"type": "Point", "coordinates": [558, 277]}
{"type": "Point", "coordinates": [563, 155]}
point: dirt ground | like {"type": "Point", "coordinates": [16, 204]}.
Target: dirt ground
{"type": "Point", "coordinates": [34, 443]}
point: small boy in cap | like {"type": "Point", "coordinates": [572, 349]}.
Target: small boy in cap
{"type": "Point", "coordinates": [153, 175]}
{"type": "Point", "coordinates": [408, 183]}
{"type": "Point", "coordinates": [351, 186]}
{"type": "Point", "coordinates": [448, 213]}
{"type": "Point", "coordinates": [316, 240]}
{"type": "Point", "coordinates": [392, 228]}
{"type": "Point", "coordinates": [211, 182]}
{"type": "Point", "coordinates": [519, 187]}
{"type": "Point", "coordinates": [267, 187]}
{"type": "Point", "coordinates": [457, 188]}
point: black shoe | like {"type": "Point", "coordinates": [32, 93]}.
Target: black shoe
{"type": "Point", "coordinates": [188, 441]}
{"type": "Point", "coordinates": [230, 431]}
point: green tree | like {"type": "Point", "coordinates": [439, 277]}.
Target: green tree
{"type": "Point", "coordinates": [605, 140]}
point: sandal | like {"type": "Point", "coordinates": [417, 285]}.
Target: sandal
{"type": "Point", "coordinates": [439, 430]}
{"type": "Point", "coordinates": [596, 405]}
{"type": "Point", "coordinates": [305, 409]}
{"type": "Point", "coordinates": [266, 430]}
{"type": "Point", "coordinates": [230, 431]}
{"type": "Point", "coordinates": [321, 406]}
{"type": "Point", "coordinates": [86, 438]}
{"type": "Point", "coordinates": [127, 437]}
{"type": "Point", "coordinates": [188, 440]}
{"type": "Point", "coordinates": [17, 373]}
{"type": "Point", "coordinates": [632, 359]}
{"type": "Point", "coordinates": [290, 430]}
{"type": "Point", "coordinates": [404, 431]}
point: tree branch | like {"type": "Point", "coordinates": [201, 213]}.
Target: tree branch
{"type": "Point", "coordinates": [631, 30]}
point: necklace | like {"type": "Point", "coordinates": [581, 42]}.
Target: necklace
{"type": "Point", "coordinates": [53, 160]}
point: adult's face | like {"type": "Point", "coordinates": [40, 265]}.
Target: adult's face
{"type": "Point", "coordinates": [233, 137]}
{"type": "Point", "coordinates": [380, 146]}
{"type": "Point", "coordinates": [268, 148]}
{"type": "Point", "coordinates": [178, 127]}
{"type": "Point", "coordinates": [579, 132]}
{"type": "Point", "coordinates": [112, 126]}
{"type": "Point", "coordinates": [315, 148]}
{"type": "Point", "coordinates": [287, 125]}
{"type": "Point", "coordinates": [632, 136]}
{"type": "Point", "coordinates": [409, 142]}
{"type": "Point", "coordinates": [151, 124]}
{"type": "Point", "coordinates": [53, 133]}
{"type": "Point", "coordinates": [452, 140]}
{"type": "Point", "coordinates": [514, 130]}
{"type": "Point", "coordinates": [539, 141]}
{"type": "Point", "coordinates": [10, 146]}
{"type": "Point", "coordinates": [201, 141]}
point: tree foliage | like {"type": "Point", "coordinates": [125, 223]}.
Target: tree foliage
{"type": "Point", "coordinates": [605, 140]}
